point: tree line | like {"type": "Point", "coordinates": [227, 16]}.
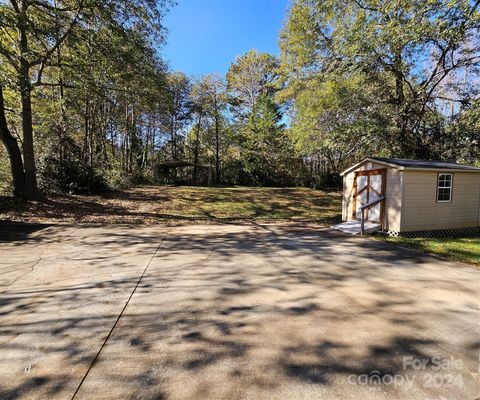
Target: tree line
{"type": "Point", "coordinates": [87, 102]}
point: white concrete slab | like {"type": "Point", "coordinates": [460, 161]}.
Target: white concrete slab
{"type": "Point", "coordinates": [355, 227]}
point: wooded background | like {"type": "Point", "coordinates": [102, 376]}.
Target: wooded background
{"type": "Point", "coordinates": [87, 102]}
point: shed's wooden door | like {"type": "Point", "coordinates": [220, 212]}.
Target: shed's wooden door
{"type": "Point", "coordinates": [369, 186]}
{"type": "Point", "coordinates": [362, 192]}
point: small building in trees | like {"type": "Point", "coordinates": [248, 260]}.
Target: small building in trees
{"type": "Point", "coordinates": [410, 197]}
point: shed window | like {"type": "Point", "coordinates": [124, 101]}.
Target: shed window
{"type": "Point", "coordinates": [444, 188]}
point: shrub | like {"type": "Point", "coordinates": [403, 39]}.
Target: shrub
{"type": "Point", "coordinates": [118, 179]}
{"type": "Point", "coordinates": [69, 176]}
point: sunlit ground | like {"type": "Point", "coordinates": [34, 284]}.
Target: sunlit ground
{"type": "Point", "coordinates": [150, 204]}
{"type": "Point", "coordinates": [464, 249]}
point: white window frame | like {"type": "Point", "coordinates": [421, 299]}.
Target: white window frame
{"type": "Point", "coordinates": [444, 187]}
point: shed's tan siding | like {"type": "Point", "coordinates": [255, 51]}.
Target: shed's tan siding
{"type": "Point", "coordinates": [393, 201]}
{"type": "Point", "coordinates": [421, 211]}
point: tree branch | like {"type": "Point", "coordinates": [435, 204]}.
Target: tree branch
{"type": "Point", "coordinates": [15, 6]}
{"type": "Point", "coordinates": [60, 40]}
{"type": "Point", "coordinates": [10, 58]}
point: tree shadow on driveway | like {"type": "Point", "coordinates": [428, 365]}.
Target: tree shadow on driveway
{"type": "Point", "coordinates": [229, 311]}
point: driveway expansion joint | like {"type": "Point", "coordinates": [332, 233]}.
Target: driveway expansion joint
{"type": "Point", "coordinates": [92, 364]}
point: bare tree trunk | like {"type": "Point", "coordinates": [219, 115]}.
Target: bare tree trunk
{"type": "Point", "coordinates": [63, 114]}
{"type": "Point", "coordinates": [14, 154]}
{"type": "Point", "coordinates": [154, 133]}
{"type": "Point", "coordinates": [112, 143]}
{"type": "Point", "coordinates": [125, 140]}
{"type": "Point", "coordinates": [86, 130]}
{"type": "Point", "coordinates": [91, 136]}
{"type": "Point", "coordinates": [174, 138]}
{"type": "Point", "coordinates": [218, 178]}
{"type": "Point", "coordinates": [196, 149]}
{"type": "Point", "coordinates": [402, 142]}
{"type": "Point", "coordinates": [31, 190]}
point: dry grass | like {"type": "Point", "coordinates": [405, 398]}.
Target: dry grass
{"type": "Point", "coordinates": [152, 204]}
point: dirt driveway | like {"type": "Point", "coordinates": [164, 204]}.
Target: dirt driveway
{"type": "Point", "coordinates": [231, 312]}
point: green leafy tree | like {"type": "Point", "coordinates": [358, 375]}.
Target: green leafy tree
{"type": "Point", "coordinates": [250, 76]}
{"type": "Point", "coordinates": [252, 82]}
{"type": "Point", "coordinates": [406, 57]}
{"type": "Point", "coordinates": [464, 134]}
{"type": "Point", "coordinates": [32, 34]}
{"type": "Point", "coordinates": [266, 147]}
{"type": "Point", "coordinates": [177, 111]}
{"type": "Point", "coordinates": [212, 98]}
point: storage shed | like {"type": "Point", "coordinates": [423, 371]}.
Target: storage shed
{"type": "Point", "coordinates": [411, 196]}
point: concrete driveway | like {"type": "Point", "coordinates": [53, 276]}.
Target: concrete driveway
{"type": "Point", "coordinates": [231, 312]}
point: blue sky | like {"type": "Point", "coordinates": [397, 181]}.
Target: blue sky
{"type": "Point", "coordinates": [205, 36]}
